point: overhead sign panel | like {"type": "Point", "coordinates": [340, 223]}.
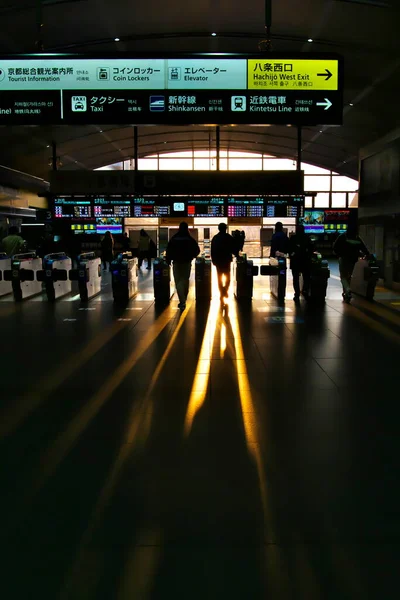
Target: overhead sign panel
{"type": "Point", "coordinates": [292, 74]}
{"type": "Point", "coordinates": [197, 89]}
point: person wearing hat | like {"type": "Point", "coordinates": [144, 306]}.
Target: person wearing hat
{"type": "Point", "coordinates": [223, 246]}
{"type": "Point", "coordinates": [181, 250]}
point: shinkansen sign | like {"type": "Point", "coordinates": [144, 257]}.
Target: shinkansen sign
{"type": "Point", "coordinates": [197, 89]}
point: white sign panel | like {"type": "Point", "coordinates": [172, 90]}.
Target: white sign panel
{"type": "Point", "coordinates": [91, 74]}
{"type": "Point", "coordinates": [215, 74]}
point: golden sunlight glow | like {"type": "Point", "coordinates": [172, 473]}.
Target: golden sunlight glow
{"type": "Point", "coordinates": [136, 434]}
{"type": "Point", "coordinates": [202, 375]}
{"type": "Point", "coordinates": [223, 341]}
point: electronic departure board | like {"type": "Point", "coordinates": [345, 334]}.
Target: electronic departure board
{"type": "Point", "coordinates": [112, 207]}
{"type": "Point", "coordinates": [206, 207]}
{"type": "Point", "coordinates": [151, 207]}
{"type": "Point", "coordinates": [127, 206]}
{"type": "Point", "coordinates": [284, 206]}
{"type": "Point", "coordinates": [245, 206]}
{"type": "Point", "coordinates": [72, 208]}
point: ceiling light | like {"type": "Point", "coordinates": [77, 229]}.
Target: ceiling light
{"type": "Point", "coordinates": [320, 131]}
{"type": "Point", "coordinates": [310, 40]}
{"type": "Point", "coordinates": [213, 34]}
{"type": "Point", "coordinates": [48, 146]}
{"type": "Point", "coordinates": [116, 40]}
{"type": "Point", "coordinates": [351, 104]}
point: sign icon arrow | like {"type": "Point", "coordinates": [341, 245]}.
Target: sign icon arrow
{"type": "Point", "coordinates": [327, 74]}
{"type": "Point", "coordinates": [327, 103]}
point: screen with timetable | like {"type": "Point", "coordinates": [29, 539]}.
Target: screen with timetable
{"type": "Point", "coordinates": [206, 207]}
{"type": "Point", "coordinates": [245, 207]}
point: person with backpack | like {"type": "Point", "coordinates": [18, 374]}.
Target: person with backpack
{"type": "Point", "coordinates": [348, 247]}
{"type": "Point", "coordinates": [223, 246]}
{"type": "Point", "coordinates": [181, 250]}
{"type": "Point", "coordinates": [300, 251]}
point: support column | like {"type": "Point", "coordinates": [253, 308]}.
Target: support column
{"type": "Point", "coordinates": [54, 156]}
{"type": "Point", "coordinates": [299, 149]}
{"type": "Point", "coordinates": [135, 148]}
{"type": "Point", "coordinates": [217, 140]}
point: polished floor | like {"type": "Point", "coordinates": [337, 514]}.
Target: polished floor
{"type": "Point", "coordinates": [237, 452]}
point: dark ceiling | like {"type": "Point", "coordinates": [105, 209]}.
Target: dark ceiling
{"type": "Point", "coordinates": [365, 32]}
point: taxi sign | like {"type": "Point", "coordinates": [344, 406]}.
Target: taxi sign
{"type": "Point", "coordinates": [289, 74]}
{"type": "Point", "coordinates": [189, 89]}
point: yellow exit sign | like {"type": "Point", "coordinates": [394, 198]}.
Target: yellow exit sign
{"type": "Point", "coordinates": [288, 74]}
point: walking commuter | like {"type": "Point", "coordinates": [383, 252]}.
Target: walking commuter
{"type": "Point", "coordinates": [107, 249]}
{"type": "Point", "coordinates": [300, 250]}
{"type": "Point", "coordinates": [348, 247]}
{"type": "Point", "coordinates": [181, 250]}
{"type": "Point", "coordinates": [279, 241]}
{"type": "Point", "coordinates": [223, 246]}
{"type": "Point", "coordinates": [13, 243]}
{"type": "Point", "coordinates": [144, 248]}
{"type": "Point", "coordinates": [126, 242]}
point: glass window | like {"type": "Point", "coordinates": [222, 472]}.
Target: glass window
{"type": "Point", "coordinates": [279, 164]}
{"type": "Point", "coordinates": [202, 164]}
{"type": "Point", "coordinates": [353, 200]}
{"type": "Point", "coordinates": [234, 154]}
{"type": "Point", "coordinates": [176, 164]}
{"type": "Point", "coordinates": [339, 200]}
{"type": "Point", "coordinates": [317, 183]}
{"type": "Point", "coordinates": [340, 183]}
{"type": "Point", "coordinates": [321, 200]}
{"type": "Point", "coordinates": [146, 164]}
{"type": "Point", "coordinates": [183, 154]}
{"type": "Point", "coordinates": [313, 170]}
{"type": "Point", "coordinates": [245, 164]}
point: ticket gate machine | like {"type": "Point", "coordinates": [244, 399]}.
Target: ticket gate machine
{"type": "Point", "coordinates": [277, 270]}
{"type": "Point", "coordinates": [202, 278]}
{"type": "Point", "coordinates": [5, 265]}
{"type": "Point", "coordinates": [243, 274]}
{"type": "Point", "coordinates": [56, 268]}
{"type": "Point", "coordinates": [124, 277]}
{"type": "Point", "coordinates": [22, 275]}
{"type": "Point", "coordinates": [364, 277]}
{"type": "Point", "coordinates": [161, 281]}
{"type": "Point", "coordinates": [88, 275]}
{"type": "Point", "coordinates": [319, 275]}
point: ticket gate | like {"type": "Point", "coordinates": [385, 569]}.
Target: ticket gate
{"type": "Point", "coordinates": [88, 275]}
{"type": "Point", "coordinates": [22, 274]}
{"type": "Point", "coordinates": [124, 272]}
{"type": "Point", "coordinates": [277, 270]}
{"type": "Point", "coordinates": [161, 281]}
{"type": "Point", "coordinates": [364, 277]}
{"type": "Point", "coordinates": [202, 278]}
{"type": "Point", "coordinates": [5, 265]}
{"type": "Point", "coordinates": [243, 274]}
{"type": "Point", "coordinates": [56, 268]}
{"type": "Point", "coordinates": [319, 275]}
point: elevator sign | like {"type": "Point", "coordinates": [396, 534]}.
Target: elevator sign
{"type": "Point", "coordinates": [215, 89]}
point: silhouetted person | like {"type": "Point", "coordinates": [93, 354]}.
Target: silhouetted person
{"type": "Point", "coordinates": [300, 251]}
{"type": "Point", "coordinates": [348, 247]}
{"type": "Point", "coordinates": [126, 242]}
{"type": "Point", "coordinates": [107, 249]}
{"type": "Point", "coordinates": [13, 243]}
{"type": "Point", "coordinates": [144, 248]}
{"type": "Point", "coordinates": [223, 246]}
{"type": "Point", "coordinates": [279, 241]}
{"type": "Point", "coordinates": [181, 250]}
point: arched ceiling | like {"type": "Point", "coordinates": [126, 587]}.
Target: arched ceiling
{"type": "Point", "coordinates": [365, 32]}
